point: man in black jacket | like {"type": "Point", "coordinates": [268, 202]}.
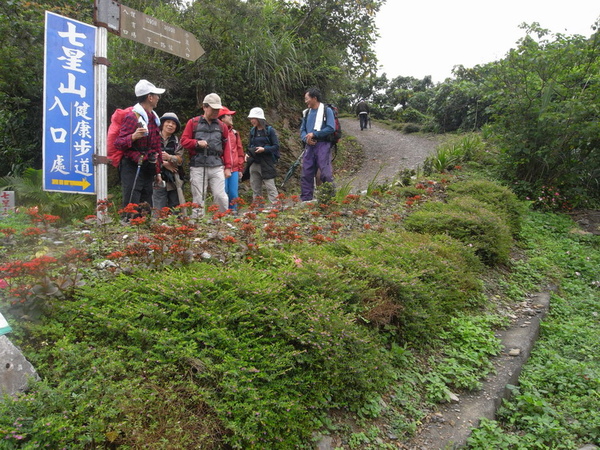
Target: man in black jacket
{"type": "Point", "coordinates": [362, 111]}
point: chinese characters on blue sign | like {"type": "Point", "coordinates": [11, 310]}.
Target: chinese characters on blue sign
{"type": "Point", "coordinates": [69, 105]}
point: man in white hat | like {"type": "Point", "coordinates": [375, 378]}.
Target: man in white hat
{"type": "Point", "coordinates": [140, 141]}
{"type": "Point", "coordinates": [206, 139]}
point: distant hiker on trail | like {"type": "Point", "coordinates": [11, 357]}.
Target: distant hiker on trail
{"type": "Point", "coordinates": [205, 138]}
{"type": "Point", "coordinates": [139, 140]}
{"type": "Point", "coordinates": [318, 125]}
{"type": "Point", "coordinates": [362, 111]}
{"type": "Point", "coordinates": [170, 194]}
{"type": "Point", "coordinates": [237, 157]}
{"type": "Point", "coordinates": [262, 155]}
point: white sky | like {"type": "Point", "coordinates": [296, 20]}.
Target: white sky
{"type": "Point", "coordinates": [431, 37]}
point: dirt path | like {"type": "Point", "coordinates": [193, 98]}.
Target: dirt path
{"type": "Point", "coordinates": [387, 152]}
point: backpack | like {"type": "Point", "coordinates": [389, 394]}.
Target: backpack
{"type": "Point", "coordinates": [334, 137]}
{"type": "Point", "coordinates": [337, 133]}
{"type": "Point", "coordinates": [114, 129]}
{"type": "Point", "coordinates": [268, 129]}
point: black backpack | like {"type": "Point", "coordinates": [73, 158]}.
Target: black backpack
{"type": "Point", "coordinates": [337, 127]}
{"type": "Point", "coordinates": [337, 133]}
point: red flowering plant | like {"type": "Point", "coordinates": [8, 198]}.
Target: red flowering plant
{"type": "Point", "coordinates": [551, 199]}
{"type": "Point", "coordinates": [102, 216]}
{"type": "Point", "coordinates": [31, 283]}
{"type": "Point", "coordinates": [7, 235]}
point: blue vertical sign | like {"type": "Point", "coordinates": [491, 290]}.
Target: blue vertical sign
{"type": "Point", "coordinates": [69, 105]}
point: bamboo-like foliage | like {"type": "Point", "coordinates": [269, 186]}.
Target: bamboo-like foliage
{"type": "Point", "coordinates": [29, 192]}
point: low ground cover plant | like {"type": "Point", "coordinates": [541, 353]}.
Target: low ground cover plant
{"type": "Point", "coordinates": [262, 330]}
{"type": "Point", "coordinates": [556, 401]}
{"type": "Point", "coordinates": [498, 198]}
{"type": "Point", "coordinates": [470, 221]}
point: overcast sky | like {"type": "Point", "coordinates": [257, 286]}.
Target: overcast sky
{"type": "Point", "coordinates": [429, 38]}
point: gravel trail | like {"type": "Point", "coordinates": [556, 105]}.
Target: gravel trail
{"type": "Point", "coordinates": [387, 152]}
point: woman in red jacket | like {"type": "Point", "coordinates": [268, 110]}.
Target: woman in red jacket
{"type": "Point", "coordinates": [237, 157]}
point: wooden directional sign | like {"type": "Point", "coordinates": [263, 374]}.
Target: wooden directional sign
{"type": "Point", "coordinates": [155, 33]}
{"type": "Point", "coordinates": [139, 27]}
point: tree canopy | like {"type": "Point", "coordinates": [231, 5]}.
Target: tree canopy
{"type": "Point", "coordinates": [259, 52]}
{"type": "Point", "coordinates": [541, 100]}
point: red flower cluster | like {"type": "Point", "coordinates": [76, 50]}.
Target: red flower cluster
{"type": "Point", "coordinates": [7, 231]}
{"type": "Point", "coordinates": [229, 239]}
{"type": "Point", "coordinates": [75, 255]}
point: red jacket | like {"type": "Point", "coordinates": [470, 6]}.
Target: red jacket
{"type": "Point", "coordinates": [237, 150]}
{"type": "Point", "coordinates": [147, 146]}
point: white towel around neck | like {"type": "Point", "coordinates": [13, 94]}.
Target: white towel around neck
{"type": "Point", "coordinates": [319, 118]}
{"type": "Point", "coordinates": [144, 115]}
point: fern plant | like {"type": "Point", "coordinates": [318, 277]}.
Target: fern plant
{"type": "Point", "coordinates": [29, 191]}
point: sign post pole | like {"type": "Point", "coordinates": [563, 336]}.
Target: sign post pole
{"type": "Point", "coordinates": [109, 15]}
{"type": "Point", "coordinates": [101, 120]}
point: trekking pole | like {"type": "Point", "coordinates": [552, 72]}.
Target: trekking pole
{"type": "Point", "coordinates": [137, 174]}
{"type": "Point", "coordinates": [204, 181]}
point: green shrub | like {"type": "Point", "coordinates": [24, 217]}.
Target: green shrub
{"type": "Point", "coordinates": [413, 116]}
{"type": "Point", "coordinates": [498, 198]}
{"type": "Point", "coordinates": [406, 284]}
{"type": "Point", "coordinates": [411, 128]}
{"type": "Point", "coordinates": [251, 359]}
{"type": "Point", "coordinates": [455, 151]}
{"type": "Point", "coordinates": [469, 221]}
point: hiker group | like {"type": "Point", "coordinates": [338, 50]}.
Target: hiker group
{"type": "Point", "coordinates": [150, 155]}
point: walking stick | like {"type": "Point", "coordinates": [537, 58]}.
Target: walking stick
{"type": "Point", "coordinates": [292, 169]}
{"type": "Point", "coordinates": [204, 182]}
{"type": "Point", "coordinates": [180, 196]}
{"type": "Point", "coordinates": [137, 174]}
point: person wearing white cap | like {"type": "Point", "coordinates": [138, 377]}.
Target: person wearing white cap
{"type": "Point", "coordinates": [139, 140]}
{"type": "Point", "coordinates": [263, 153]}
{"type": "Point", "coordinates": [206, 139]}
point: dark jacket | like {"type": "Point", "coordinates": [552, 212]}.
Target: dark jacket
{"type": "Point", "coordinates": [362, 107]}
{"type": "Point", "coordinates": [268, 139]}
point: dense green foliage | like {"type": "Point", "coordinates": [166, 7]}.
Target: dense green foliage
{"type": "Point", "coordinates": [468, 220]}
{"type": "Point", "coordinates": [257, 355]}
{"type": "Point", "coordinates": [545, 110]}
{"type": "Point", "coordinates": [300, 338]}
{"type": "Point", "coordinates": [498, 198]}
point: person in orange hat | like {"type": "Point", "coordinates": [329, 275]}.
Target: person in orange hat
{"type": "Point", "coordinates": [237, 157]}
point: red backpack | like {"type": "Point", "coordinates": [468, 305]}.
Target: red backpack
{"type": "Point", "coordinates": [114, 128]}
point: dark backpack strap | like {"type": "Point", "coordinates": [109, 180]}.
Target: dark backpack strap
{"type": "Point", "coordinates": [252, 133]}
{"type": "Point", "coordinates": [269, 130]}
